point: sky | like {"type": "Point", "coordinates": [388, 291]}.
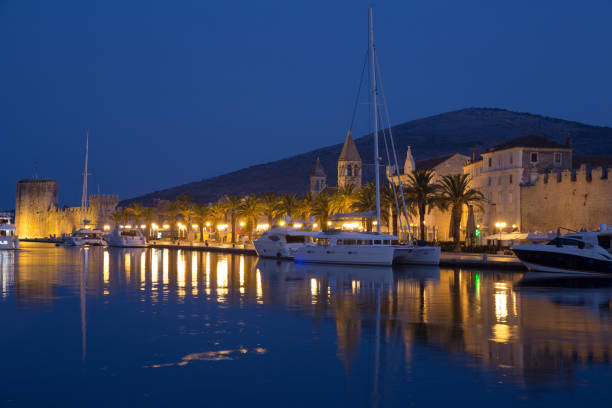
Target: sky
{"type": "Point", "coordinates": [173, 92]}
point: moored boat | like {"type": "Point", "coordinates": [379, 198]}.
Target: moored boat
{"type": "Point", "coordinates": [126, 238]}
{"type": "Point", "coordinates": [350, 248]}
{"type": "Point", "coordinates": [282, 243]}
{"type": "Point", "coordinates": [574, 253]}
{"type": "Point", "coordinates": [85, 236]}
{"type": "Point", "coordinates": [8, 233]}
{"type": "Point", "coordinates": [416, 255]}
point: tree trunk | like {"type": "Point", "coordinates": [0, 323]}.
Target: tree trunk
{"type": "Point", "coordinates": [422, 221]}
{"type": "Point", "coordinates": [233, 228]}
{"type": "Point", "coordinates": [456, 214]}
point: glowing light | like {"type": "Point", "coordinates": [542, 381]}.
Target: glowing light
{"type": "Point", "coordinates": [501, 301]}
{"type": "Point", "coordinates": [315, 225]}
{"type": "Point", "coordinates": [258, 287]}
{"type": "Point", "coordinates": [242, 223]}
{"type": "Point", "coordinates": [500, 224]}
{"type": "Point", "coordinates": [208, 223]}
{"type": "Point", "coordinates": [478, 226]}
{"type": "Point", "coordinates": [222, 277]}
{"type": "Point", "coordinates": [513, 225]}
{"type": "Point", "coordinates": [376, 222]}
{"type": "Point", "coordinates": [180, 273]}
{"type": "Point", "coordinates": [351, 225]}
{"type": "Point", "coordinates": [121, 226]}
{"type": "Point", "coordinates": [154, 226]}
{"type": "Point", "coordinates": [88, 227]}
{"type": "Point", "coordinates": [241, 274]}
{"type": "Point", "coordinates": [106, 227]}
{"type": "Point", "coordinates": [143, 276]}
{"type": "Point", "coordinates": [194, 273]}
{"type": "Point", "coordinates": [154, 266]}
{"type": "Point", "coordinates": [282, 223]}
{"type": "Point", "coordinates": [128, 226]}
{"type": "Point", "coordinates": [297, 225]}
{"type": "Point", "coordinates": [106, 267]}
{"type": "Point", "coordinates": [329, 222]}
{"type": "Point", "coordinates": [181, 226]}
{"type": "Point", "coordinates": [194, 226]}
{"type": "Point", "coordinates": [165, 262]}
{"type": "Point", "coordinates": [166, 226]}
{"type": "Point", "coordinates": [261, 227]}
{"type": "Point", "coordinates": [222, 227]}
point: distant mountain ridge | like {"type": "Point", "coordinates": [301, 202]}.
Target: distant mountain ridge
{"type": "Point", "coordinates": [462, 131]}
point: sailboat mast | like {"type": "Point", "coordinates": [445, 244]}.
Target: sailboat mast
{"type": "Point", "coordinates": [84, 195]}
{"type": "Point", "coordinates": [375, 114]}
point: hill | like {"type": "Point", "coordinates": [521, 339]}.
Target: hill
{"type": "Point", "coordinates": [463, 131]}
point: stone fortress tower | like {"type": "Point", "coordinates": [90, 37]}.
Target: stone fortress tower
{"type": "Point", "coordinates": [38, 216]}
{"type": "Point", "coordinates": [34, 200]}
{"type": "Point", "coordinates": [318, 178]}
{"type": "Point", "coordinates": [349, 164]}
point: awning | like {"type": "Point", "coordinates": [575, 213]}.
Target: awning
{"type": "Point", "coordinates": [507, 236]}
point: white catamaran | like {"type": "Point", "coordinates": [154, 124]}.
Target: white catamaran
{"type": "Point", "coordinates": [343, 247]}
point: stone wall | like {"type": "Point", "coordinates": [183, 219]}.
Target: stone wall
{"type": "Point", "coordinates": [38, 216]}
{"type": "Point", "coordinates": [574, 200]}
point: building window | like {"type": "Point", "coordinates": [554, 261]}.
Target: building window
{"type": "Point", "coordinates": [490, 161]}
{"type": "Point", "coordinates": [489, 197]}
{"type": "Point", "coordinates": [511, 160]}
{"type": "Point", "coordinates": [534, 157]}
{"type": "Point", "coordinates": [489, 180]}
{"type": "Point", "coordinates": [557, 158]}
{"type": "Point", "coordinates": [499, 162]}
{"type": "Point", "coordinates": [510, 179]}
{"type": "Point", "coordinates": [509, 197]}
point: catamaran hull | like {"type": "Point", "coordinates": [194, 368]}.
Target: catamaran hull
{"type": "Point", "coordinates": [346, 254]}
{"type": "Point", "coordinates": [416, 255]}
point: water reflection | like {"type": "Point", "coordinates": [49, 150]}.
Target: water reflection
{"type": "Point", "coordinates": [388, 317]}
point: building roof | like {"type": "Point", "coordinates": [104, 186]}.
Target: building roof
{"type": "Point", "coordinates": [533, 141]}
{"type": "Point", "coordinates": [592, 160]}
{"type": "Point", "coordinates": [329, 190]}
{"type": "Point", "coordinates": [349, 150]}
{"type": "Point", "coordinates": [429, 164]}
{"type": "Point", "coordinates": [318, 169]}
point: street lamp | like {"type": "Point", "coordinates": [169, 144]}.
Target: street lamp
{"type": "Point", "coordinates": [501, 226]}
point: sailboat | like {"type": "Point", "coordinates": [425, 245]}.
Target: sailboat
{"type": "Point", "coordinates": [362, 248]}
{"type": "Point", "coordinates": [86, 235]}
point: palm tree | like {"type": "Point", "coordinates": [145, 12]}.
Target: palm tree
{"type": "Point", "coordinates": [366, 202]}
{"type": "Point", "coordinates": [203, 214]}
{"type": "Point", "coordinates": [135, 210]}
{"type": "Point", "coordinates": [117, 216]}
{"type": "Point", "coordinates": [321, 209]}
{"type": "Point", "coordinates": [455, 193]}
{"type": "Point", "coordinates": [188, 213]}
{"type": "Point", "coordinates": [305, 208]}
{"type": "Point", "coordinates": [171, 212]}
{"type": "Point", "coordinates": [343, 199]}
{"type": "Point", "coordinates": [388, 204]}
{"type": "Point", "coordinates": [232, 206]}
{"type": "Point", "coordinates": [423, 195]}
{"type": "Point", "coordinates": [289, 205]}
{"type": "Point", "coordinates": [270, 206]}
{"type": "Point", "coordinates": [147, 216]}
{"type": "Point", "coordinates": [250, 210]}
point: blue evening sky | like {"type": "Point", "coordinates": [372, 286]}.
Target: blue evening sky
{"type": "Point", "coordinates": [177, 91]}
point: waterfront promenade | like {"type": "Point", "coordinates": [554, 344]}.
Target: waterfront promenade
{"type": "Point", "coordinates": [446, 258]}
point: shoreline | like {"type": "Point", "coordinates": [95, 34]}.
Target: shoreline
{"type": "Point", "coordinates": [452, 259]}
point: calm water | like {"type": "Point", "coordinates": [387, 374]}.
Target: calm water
{"type": "Point", "coordinates": [111, 327]}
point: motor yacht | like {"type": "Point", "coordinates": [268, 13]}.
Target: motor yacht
{"type": "Point", "coordinates": [282, 243]}
{"type": "Point", "coordinates": [8, 233]}
{"type": "Point", "coordinates": [126, 238]}
{"type": "Point", "coordinates": [350, 248]}
{"type": "Point", "coordinates": [575, 253]}
{"type": "Point", "coordinates": [86, 236]}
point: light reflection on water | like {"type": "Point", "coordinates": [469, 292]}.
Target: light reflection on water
{"type": "Point", "coordinates": [374, 330]}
